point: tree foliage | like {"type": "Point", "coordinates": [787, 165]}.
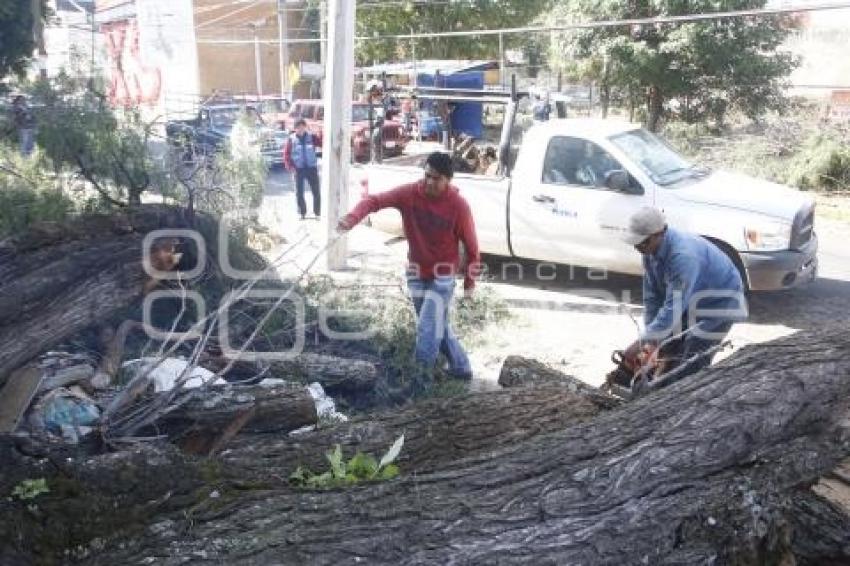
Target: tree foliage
{"type": "Point", "coordinates": [703, 69]}
{"type": "Point", "coordinates": [78, 128]}
{"type": "Point", "coordinates": [429, 16]}
{"type": "Point", "coordinates": [17, 40]}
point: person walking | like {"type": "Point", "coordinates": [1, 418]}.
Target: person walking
{"type": "Point", "coordinates": [24, 121]}
{"type": "Point", "coordinates": [436, 219]}
{"type": "Point", "coordinates": [300, 158]}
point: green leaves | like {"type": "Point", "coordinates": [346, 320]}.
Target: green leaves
{"type": "Point", "coordinates": [30, 489]}
{"type": "Point", "coordinates": [706, 67]}
{"type": "Point", "coordinates": [425, 17]}
{"type": "Point", "coordinates": [361, 467]}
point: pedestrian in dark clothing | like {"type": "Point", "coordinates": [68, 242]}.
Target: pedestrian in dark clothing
{"type": "Point", "coordinates": [377, 141]}
{"type": "Point", "coordinates": [436, 218]}
{"type": "Point", "coordinates": [24, 121]}
{"type": "Point", "coordinates": [301, 159]}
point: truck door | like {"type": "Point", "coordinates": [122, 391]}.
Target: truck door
{"type": "Point", "coordinates": [569, 215]}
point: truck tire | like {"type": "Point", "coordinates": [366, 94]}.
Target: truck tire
{"type": "Point", "coordinates": [736, 260]}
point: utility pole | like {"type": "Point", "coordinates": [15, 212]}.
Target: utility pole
{"type": "Point", "coordinates": [502, 60]}
{"type": "Point", "coordinates": [283, 50]}
{"type": "Point", "coordinates": [323, 45]}
{"type": "Point", "coordinates": [339, 77]}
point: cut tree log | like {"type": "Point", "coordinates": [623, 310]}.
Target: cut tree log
{"type": "Point", "coordinates": [336, 375]}
{"type": "Point", "coordinates": [211, 409]}
{"type": "Point", "coordinates": [701, 472]}
{"type": "Point", "coordinates": [518, 371]}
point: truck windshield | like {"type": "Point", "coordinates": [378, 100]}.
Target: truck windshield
{"type": "Point", "coordinates": [658, 160]}
{"type": "Point", "coordinates": [223, 118]}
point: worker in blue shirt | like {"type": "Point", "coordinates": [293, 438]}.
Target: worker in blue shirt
{"type": "Point", "coordinates": [692, 293]}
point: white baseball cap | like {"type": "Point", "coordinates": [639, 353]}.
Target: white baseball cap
{"type": "Point", "coordinates": [643, 224]}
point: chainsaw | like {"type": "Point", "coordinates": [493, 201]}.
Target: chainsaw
{"type": "Point", "coordinates": [629, 372]}
{"type": "Point", "coordinates": [648, 370]}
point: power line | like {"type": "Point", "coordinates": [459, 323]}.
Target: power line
{"type": "Point", "coordinates": [757, 12]}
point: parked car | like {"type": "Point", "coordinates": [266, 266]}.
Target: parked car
{"type": "Point", "coordinates": [313, 112]}
{"type": "Point", "coordinates": [575, 183]}
{"type": "Point", "coordinates": [210, 130]}
{"type": "Point", "coordinates": [273, 109]}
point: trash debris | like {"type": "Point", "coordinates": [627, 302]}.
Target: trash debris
{"type": "Point", "coordinates": [164, 377]}
{"type": "Point", "coordinates": [325, 406]}
{"type": "Point", "coordinates": [66, 413]}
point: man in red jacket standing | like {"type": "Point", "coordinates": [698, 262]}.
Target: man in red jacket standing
{"type": "Point", "coordinates": [435, 219]}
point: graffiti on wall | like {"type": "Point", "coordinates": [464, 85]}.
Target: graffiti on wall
{"type": "Point", "coordinates": [131, 81]}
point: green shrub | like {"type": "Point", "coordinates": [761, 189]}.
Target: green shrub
{"type": "Point", "coordinates": [822, 163]}
{"type": "Point", "coordinates": [28, 192]}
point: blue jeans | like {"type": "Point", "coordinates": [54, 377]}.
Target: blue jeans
{"type": "Point", "coordinates": [27, 140]}
{"type": "Point", "coordinates": [309, 175]}
{"type": "Point", "coordinates": [432, 299]}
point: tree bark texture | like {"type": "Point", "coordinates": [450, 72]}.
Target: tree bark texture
{"type": "Point", "coordinates": [56, 280]}
{"type": "Point", "coordinates": [702, 472]}
{"type": "Point", "coordinates": [518, 371]}
{"type": "Point", "coordinates": [335, 374]}
{"type": "Point", "coordinates": [204, 423]}
{"type": "Point", "coordinates": [437, 432]}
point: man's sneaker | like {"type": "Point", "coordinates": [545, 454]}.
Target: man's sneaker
{"type": "Point", "coordinates": [303, 217]}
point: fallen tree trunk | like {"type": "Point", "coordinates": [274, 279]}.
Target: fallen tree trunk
{"type": "Point", "coordinates": [56, 280]}
{"type": "Point", "coordinates": [336, 375]}
{"type": "Point", "coordinates": [438, 432]}
{"type": "Point", "coordinates": [820, 519]}
{"type": "Point", "coordinates": [697, 473]}
{"type": "Point", "coordinates": [205, 423]}
{"type": "Point", "coordinates": [54, 283]}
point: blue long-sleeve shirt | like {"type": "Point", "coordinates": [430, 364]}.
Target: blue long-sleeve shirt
{"type": "Point", "coordinates": [683, 266]}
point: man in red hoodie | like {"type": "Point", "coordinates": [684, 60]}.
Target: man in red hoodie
{"type": "Point", "coordinates": [435, 219]}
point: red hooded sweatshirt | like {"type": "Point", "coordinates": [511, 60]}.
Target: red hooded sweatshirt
{"type": "Point", "coordinates": [433, 227]}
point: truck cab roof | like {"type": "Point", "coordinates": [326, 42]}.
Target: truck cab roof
{"type": "Point", "coordinates": [590, 128]}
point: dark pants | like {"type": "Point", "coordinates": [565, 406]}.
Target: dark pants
{"type": "Point", "coordinates": [687, 355]}
{"type": "Point", "coordinates": [310, 175]}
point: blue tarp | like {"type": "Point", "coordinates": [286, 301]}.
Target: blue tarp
{"type": "Point", "coordinates": [467, 116]}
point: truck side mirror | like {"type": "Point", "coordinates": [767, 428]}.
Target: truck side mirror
{"type": "Point", "coordinates": [618, 180]}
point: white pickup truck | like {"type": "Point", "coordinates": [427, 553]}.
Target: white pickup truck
{"type": "Point", "coordinates": [575, 183]}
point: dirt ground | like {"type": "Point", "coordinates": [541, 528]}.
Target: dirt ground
{"type": "Point", "coordinates": [575, 321]}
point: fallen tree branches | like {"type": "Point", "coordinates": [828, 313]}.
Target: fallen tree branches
{"type": "Point", "coordinates": [699, 472]}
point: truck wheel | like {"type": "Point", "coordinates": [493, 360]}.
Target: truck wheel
{"type": "Point", "coordinates": [736, 260]}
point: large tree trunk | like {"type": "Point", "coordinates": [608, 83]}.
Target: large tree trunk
{"type": "Point", "coordinates": [437, 432]}
{"type": "Point", "coordinates": [56, 280]}
{"type": "Point", "coordinates": [654, 107]}
{"type": "Point", "coordinates": [701, 472]}
{"type": "Point", "coordinates": [820, 519]}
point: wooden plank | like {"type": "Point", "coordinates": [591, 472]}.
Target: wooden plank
{"type": "Point", "coordinates": [16, 396]}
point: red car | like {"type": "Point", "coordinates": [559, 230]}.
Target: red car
{"type": "Point", "coordinates": [313, 112]}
